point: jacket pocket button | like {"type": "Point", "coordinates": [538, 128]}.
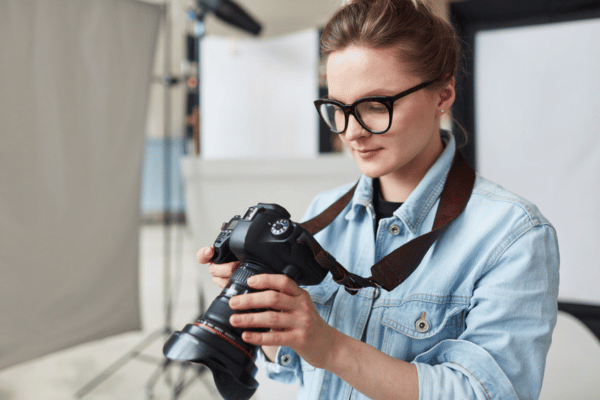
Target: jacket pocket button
{"type": "Point", "coordinates": [422, 325]}
{"type": "Point", "coordinates": [285, 359]}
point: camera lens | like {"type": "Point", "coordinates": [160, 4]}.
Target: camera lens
{"type": "Point", "coordinates": [216, 317]}
{"type": "Point", "coordinates": [212, 341]}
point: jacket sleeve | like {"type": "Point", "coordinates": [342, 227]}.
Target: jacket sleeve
{"type": "Point", "coordinates": [509, 323]}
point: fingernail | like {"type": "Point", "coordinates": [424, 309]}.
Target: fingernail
{"type": "Point", "coordinates": [233, 302]}
{"type": "Point", "coordinates": [207, 251]}
{"type": "Point", "coordinates": [252, 280]}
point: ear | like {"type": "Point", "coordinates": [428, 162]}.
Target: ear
{"type": "Point", "coordinates": [446, 97]}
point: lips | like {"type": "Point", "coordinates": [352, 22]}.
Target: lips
{"type": "Point", "coordinates": [367, 153]}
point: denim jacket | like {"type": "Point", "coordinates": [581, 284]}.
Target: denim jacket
{"type": "Point", "coordinates": [475, 318]}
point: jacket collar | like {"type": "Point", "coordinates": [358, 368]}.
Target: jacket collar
{"type": "Point", "coordinates": [421, 200]}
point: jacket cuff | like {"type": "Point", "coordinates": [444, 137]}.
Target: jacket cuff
{"type": "Point", "coordinates": [284, 368]}
{"type": "Point", "coordinates": [461, 369]}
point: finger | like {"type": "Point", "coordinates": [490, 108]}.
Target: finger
{"type": "Point", "coordinates": [271, 338]}
{"type": "Point", "coordinates": [223, 270]}
{"type": "Point", "coordinates": [221, 282]}
{"type": "Point", "coordinates": [268, 299]}
{"type": "Point", "coordinates": [269, 319]}
{"type": "Point", "coordinates": [278, 282]}
{"type": "Point", "coordinates": [205, 254]}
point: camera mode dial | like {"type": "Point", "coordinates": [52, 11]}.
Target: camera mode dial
{"type": "Point", "coordinates": [281, 228]}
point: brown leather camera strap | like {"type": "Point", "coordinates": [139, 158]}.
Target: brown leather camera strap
{"type": "Point", "coordinates": [394, 268]}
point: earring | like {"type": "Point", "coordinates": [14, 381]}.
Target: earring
{"type": "Point", "coordinates": [442, 111]}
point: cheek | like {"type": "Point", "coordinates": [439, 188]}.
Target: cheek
{"type": "Point", "coordinates": [406, 126]}
{"type": "Point", "coordinates": [344, 140]}
{"type": "Point", "coordinates": [413, 121]}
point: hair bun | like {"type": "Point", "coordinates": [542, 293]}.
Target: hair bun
{"type": "Point", "coordinates": [427, 41]}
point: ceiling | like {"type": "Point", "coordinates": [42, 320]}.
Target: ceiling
{"type": "Point", "coordinates": [278, 17]}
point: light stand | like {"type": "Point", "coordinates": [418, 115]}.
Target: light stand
{"type": "Point", "coordinates": [230, 13]}
{"type": "Point", "coordinates": [166, 330]}
{"type": "Point", "coordinates": [179, 386]}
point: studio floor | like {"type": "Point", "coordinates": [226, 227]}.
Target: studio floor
{"type": "Point", "coordinates": [66, 374]}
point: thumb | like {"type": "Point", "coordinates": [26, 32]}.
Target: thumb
{"type": "Point", "coordinates": [205, 254]}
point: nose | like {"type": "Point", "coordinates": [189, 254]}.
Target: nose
{"type": "Point", "coordinates": [355, 131]}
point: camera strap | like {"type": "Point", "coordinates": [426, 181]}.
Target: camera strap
{"type": "Point", "coordinates": [397, 266]}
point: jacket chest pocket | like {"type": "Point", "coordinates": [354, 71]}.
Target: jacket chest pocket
{"type": "Point", "coordinates": [322, 296]}
{"type": "Point", "coordinates": [415, 326]}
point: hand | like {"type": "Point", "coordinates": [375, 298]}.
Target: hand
{"type": "Point", "coordinates": [291, 317]}
{"type": "Point", "coordinates": [220, 272]}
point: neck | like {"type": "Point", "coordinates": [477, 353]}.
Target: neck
{"type": "Point", "coordinates": [398, 185]}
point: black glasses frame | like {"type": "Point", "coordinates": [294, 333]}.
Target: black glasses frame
{"type": "Point", "coordinates": [348, 109]}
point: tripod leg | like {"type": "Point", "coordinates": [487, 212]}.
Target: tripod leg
{"type": "Point", "coordinates": [199, 372]}
{"type": "Point", "coordinates": [162, 369]}
{"type": "Point", "coordinates": [104, 375]}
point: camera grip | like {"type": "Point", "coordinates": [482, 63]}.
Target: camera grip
{"type": "Point", "coordinates": [222, 253]}
{"type": "Point", "coordinates": [222, 257]}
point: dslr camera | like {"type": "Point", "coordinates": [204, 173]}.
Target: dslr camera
{"type": "Point", "coordinates": [264, 240]}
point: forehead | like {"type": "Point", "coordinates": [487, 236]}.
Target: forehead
{"type": "Point", "coordinates": [357, 71]}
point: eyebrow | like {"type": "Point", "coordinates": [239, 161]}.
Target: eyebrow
{"type": "Point", "coordinates": [373, 93]}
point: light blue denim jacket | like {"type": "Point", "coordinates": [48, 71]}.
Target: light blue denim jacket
{"type": "Point", "coordinates": [487, 290]}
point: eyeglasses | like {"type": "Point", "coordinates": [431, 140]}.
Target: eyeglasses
{"type": "Point", "coordinates": [373, 113]}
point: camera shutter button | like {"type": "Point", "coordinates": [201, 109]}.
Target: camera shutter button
{"type": "Point", "coordinates": [281, 228]}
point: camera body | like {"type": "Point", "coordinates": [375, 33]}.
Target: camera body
{"type": "Point", "coordinates": [264, 240]}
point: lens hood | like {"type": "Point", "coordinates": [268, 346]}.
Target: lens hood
{"type": "Point", "coordinates": [233, 370]}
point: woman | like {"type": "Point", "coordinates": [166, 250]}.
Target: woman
{"type": "Point", "coordinates": [475, 319]}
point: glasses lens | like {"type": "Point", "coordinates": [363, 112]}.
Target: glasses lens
{"type": "Point", "coordinates": [374, 115]}
{"type": "Point", "coordinates": [333, 116]}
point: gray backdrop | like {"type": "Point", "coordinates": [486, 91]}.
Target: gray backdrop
{"type": "Point", "coordinates": [74, 81]}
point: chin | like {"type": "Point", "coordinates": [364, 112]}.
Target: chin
{"type": "Point", "coordinates": [373, 172]}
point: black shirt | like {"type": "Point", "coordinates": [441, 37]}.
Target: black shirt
{"type": "Point", "coordinates": [383, 208]}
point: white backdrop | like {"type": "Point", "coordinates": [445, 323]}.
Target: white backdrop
{"type": "Point", "coordinates": [74, 80]}
{"type": "Point", "coordinates": [257, 97]}
{"type": "Point", "coordinates": [538, 134]}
